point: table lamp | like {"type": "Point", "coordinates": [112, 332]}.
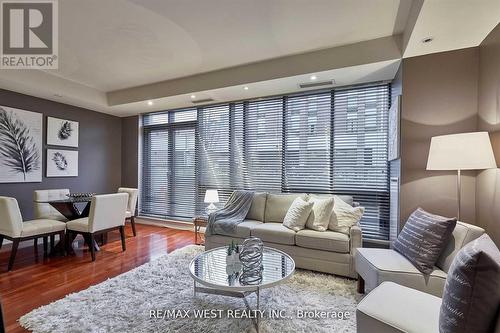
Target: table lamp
{"type": "Point", "coordinates": [465, 151]}
{"type": "Point", "coordinates": [211, 197]}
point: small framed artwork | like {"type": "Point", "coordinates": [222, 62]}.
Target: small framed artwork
{"type": "Point", "coordinates": [394, 130]}
{"type": "Point", "coordinates": [62, 163]}
{"type": "Point", "coordinates": [62, 132]}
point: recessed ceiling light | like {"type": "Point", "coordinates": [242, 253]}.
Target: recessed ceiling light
{"type": "Point", "coordinates": [193, 96]}
{"type": "Point", "coordinates": [313, 77]}
{"type": "Point", "coordinates": [246, 88]}
{"type": "Point", "coordinates": [58, 95]}
{"type": "Point", "coordinates": [150, 103]}
{"type": "Point", "coordinates": [427, 40]}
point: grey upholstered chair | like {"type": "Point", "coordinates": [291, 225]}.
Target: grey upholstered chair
{"type": "Point", "coordinates": [107, 212]}
{"type": "Point", "coordinates": [132, 203]}
{"type": "Point", "coordinates": [43, 210]}
{"type": "Point", "coordinates": [13, 228]}
{"type": "Point", "coordinates": [375, 266]}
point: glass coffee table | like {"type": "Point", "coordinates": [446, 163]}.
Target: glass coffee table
{"type": "Point", "coordinates": [209, 269]}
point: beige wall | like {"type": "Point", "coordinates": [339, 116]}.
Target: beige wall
{"type": "Point", "coordinates": [439, 97]}
{"type": "Point", "coordinates": [488, 181]}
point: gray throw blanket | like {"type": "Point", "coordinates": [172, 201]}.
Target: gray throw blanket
{"type": "Point", "coordinates": [225, 220]}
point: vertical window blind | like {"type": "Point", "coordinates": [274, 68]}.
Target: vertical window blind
{"type": "Point", "coordinates": [320, 142]}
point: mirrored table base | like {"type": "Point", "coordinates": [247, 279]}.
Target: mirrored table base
{"type": "Point", "coordinates": [237, 294]}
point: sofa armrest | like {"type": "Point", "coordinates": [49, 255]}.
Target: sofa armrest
{"type": "Point", "coordinates": [355, 238]}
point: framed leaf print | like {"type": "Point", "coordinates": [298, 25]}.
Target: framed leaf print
{"type": "Point", "coordinates": [20, 146]}
{"type": "Point", "coordinates": [62, 163]}
{"type": "Point", "coordinates": [62, 132]}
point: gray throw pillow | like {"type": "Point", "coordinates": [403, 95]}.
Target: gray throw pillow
{"type": "Point", "coordinates": [471, 295]}
{"type": "Point", "coordinates": [423, 238]}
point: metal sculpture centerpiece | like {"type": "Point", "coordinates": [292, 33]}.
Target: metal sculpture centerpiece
{"type": "Point", "coordinates": [251, 261]}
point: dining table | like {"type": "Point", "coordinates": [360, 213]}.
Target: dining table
{"type": "Point", "coordinates": [72, 208]}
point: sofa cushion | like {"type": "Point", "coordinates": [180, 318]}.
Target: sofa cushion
{"type": "Point", "coordinates": [277, 206]}
{"type": "Point", "coordinates": [461, 235]}
{"type": "Point", "coordinates": [379, 265]}
{"type": "Point", "coordinates": [258, 207]}
{"type": "Point", "coordinates": [297, 214]}
{"type": "Point", "coordinates": [395, 308]}
{"type": "Point", "coordinates": [344, 216]}
{"type": "Point", "coordinates": [274, 233]}
{"type": "Point", "coordinates": [323, 240]}
{"type": "Point", "coordinates": [242, 229]}
{"type": "Point", "coordinates": [472, 292]}
{"type": "Point", "coordinates": [320, 214]}
{"type": "Point", "coordinates": [423, 238]}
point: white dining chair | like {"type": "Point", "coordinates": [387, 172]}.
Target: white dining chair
{"type": "Point", "coordinates": [132, 203]}
{"type": "Point", "coordinates": [107, 213]}
{"type": "Point", "coordinates": [44, 210]}
{"type": "Point", "coordinates": [14, 229]}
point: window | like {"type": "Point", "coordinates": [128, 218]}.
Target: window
{"type": "Point", "coordinates": [320, 142]}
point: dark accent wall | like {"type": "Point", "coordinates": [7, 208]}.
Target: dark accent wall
{"type": "Point", "coordinates": [100, 150]}
{"type": "Point", "coordinates": [130, 151]}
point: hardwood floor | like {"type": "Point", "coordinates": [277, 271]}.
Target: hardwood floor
{"type": "Point", "coordinates": [35, 281]}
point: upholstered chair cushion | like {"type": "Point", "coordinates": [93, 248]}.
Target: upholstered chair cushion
{"type": "Point", "coordinates": [344, 216]}
{"type": "Point", "coordinates": [45, 210]}
{"type": "Point", "coordinates": [471, 295]}
{"type": "Point", "coordinates": [423, 238]}
{"type": "Point", "coordinates": [258, 207]}
{"type": "Point", "coordinates": [41, 226]}
{"type": "Point", "coordinates": [297, 214]}
{"type": "Point", "coordinates": [107, 211]}
{"type": "Point", "coordinates": [10, 217]}
{"type": "Point", "coordinates": [320, 214]}
{"type": "Point", "coordinates": [461, 235]}
{"type": "Point", "coordinates": [81, 225]}
{"type": "Point", "coordinates": [132, 199]}
{"type": "Point", "coordinates": [277, 206]}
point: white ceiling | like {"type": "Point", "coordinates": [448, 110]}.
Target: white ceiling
{"type": "Point", "coordinates": [454, 24]}
{"type": "Point", "coordinates": [107, 45]}
{"type": "Point", "coordinates": [115, 44]}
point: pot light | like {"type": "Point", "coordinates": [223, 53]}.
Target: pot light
{"type": "Point", "coordinates": [313, 77]}
{"type": "Point", "coordinates": [246, 88]}
{"type": "Point", "coordinates": [193, 96]}
{"type": "Point", "coordinates": [150, 103]}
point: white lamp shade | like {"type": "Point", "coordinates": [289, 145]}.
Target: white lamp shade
{"type": "Point", "coordinates": [465, 151]}
{"type": "Point", "coordinates": [211, 196]}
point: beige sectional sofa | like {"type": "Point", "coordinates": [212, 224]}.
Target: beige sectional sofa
{"type": "Point", "coordinates": [323, 251]}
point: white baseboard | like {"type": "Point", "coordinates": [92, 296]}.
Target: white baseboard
{"type": "Point", "coordinates": [181, 225]}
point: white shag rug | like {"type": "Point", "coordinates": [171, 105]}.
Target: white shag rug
{"type": "Point", "coordinates": [124, 303]}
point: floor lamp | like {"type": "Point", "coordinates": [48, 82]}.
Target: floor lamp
{"type": "Point", "coordinates": [465, 151]}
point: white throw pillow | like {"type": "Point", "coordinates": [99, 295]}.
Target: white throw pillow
{"type": "Point", "coordinates": [344, 216]}
{"type": "Point", "coordinates": [322, 209]}
{"type": "Point", "coordinates": [297, 214]}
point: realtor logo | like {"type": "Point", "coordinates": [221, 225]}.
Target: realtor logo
{"type": "Point", "coordinates": [29, 36]}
